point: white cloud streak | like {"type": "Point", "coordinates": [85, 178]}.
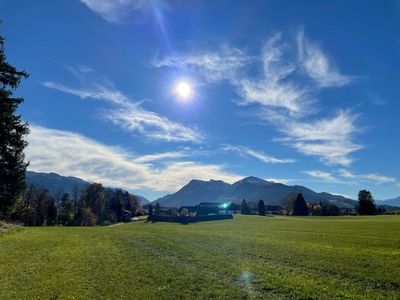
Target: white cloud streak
{"type": "Point", "coordinates": [370, 177]}
{"type": "Point", "coordinates": [326, 176]}
{"type": "Point", "coordinates": [131, 116]}
{"type": "Point", "coordinates": [116, 11]}
{"type": "Point", "coordinates": [73, 154]}
{"type": "Point", "coordinates": [317, 64]}
{"type": "Point", "coordinates": [284, 95]}
{"type": "Point", "coordinates": [223, 64]}
{"type": "Point", "coordinates": [275, 89]}
{"type": "Point", "coordinates": [261, 156]}
{"type": "Point", "coordinates": [330, 139]}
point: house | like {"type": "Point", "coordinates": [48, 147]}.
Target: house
{"type": "Point", "coordinates": [212, 208]}
{"type": "Point", "coordinates": [190, 210]}
{"type": "Point", "coordinates": [273, 210]}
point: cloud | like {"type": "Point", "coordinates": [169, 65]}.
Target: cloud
{"type": "Point", "coordinates": [257, 154]}
{"type": "Point", "coordinates": [321, 175]}
{"type": "Point", "coordinates": [280, 180]}
{"type": "Point", "coordinates": [69, 153]}
{"type": "Point", "coordinates": [317, 65]}
{"type": "Point", "coordinates": [128, 115]}
{"type": "Point", "coordinates": [160, 156]}
{"type": "Point", "coordinates": [116, 11]}
{"type": "Point", "coordinates": [133, 118]}
{"type": "Point", "coordinates": [275, 89]}
{"type": "Point", "coordinates": [223, 64]}
{"type": "Point", "coordinates": [283, 94]}
{"type": "Point", "coordinates": [371, 177]}
{"type": "Point", "coordinates": [330, 139]}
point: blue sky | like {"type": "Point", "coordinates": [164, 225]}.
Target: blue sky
{"type": "Point", "coordinates": [299, 92]}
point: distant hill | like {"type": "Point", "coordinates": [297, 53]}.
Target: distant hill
{"type": "Point", "coordinates": [391, 202]}
{"type": "Point", "coordinates": [56, 183]}
{"type": "Point", "coordinates": [251, 188]}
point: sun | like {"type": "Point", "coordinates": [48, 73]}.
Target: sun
{"type": "Point", "coordinates": [183, 90]}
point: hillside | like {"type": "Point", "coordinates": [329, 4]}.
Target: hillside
{"type": "Point", "coordinates": [250, 188]}
{"type": "Point", "coordinates": [56, 183]}
{"type": "Point", "coordinates": [391, 202]}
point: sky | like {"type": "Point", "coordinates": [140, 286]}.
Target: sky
{"type": "Point", "coordinates": [146, 95]}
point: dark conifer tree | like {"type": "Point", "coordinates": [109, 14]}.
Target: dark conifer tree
{"type": "Point", "coordinates": [366, 204]}
{"type": "Point", "coordinates": [244, 208]}
{"type": "Point", "coordinates": [157, 208]}
{"type": "Point", "coordinates": [12, 133]}
{"type": "Point", "coordinates": [261, 208]}
{"type": "Point", "coordinates": [150, 210]}
{"type": "Point", "coordinates": [66, 210]}
{"type": "Point", "coordinates": [300, 206]}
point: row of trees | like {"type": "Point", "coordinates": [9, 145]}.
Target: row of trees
{"type": "Point", "coordinates": [295, 205]}
{"type": "Point", "coordinates": [91, 205]}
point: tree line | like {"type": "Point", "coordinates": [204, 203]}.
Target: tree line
{"type": "Point", "coordinates": [295, 205]}
{"type": "Point", "coordinates": [89, 205]}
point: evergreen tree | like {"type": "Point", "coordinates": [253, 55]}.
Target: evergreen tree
{"type": "Point", "coordinates": [150, 210]}
{"type": "Point", "coordinates": [157, 208]}
{"type": "Point", "coordinates": [261, 208]}
{"type": "Point", "coordinates": [366, 204]}
{"type": "Point", "coordinates": [300, 206]}
{"type": "Point", "coordinates": [76, 193]}
{"type": "Point", "coordinates": [244, 208]}
{"type": "Point", "coordinates": [66, 208]}
{"type": "Point", "coordinates": [12, 133]}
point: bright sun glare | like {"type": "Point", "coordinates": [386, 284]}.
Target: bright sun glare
{"type": "Point", "coordinates": [183, 90]}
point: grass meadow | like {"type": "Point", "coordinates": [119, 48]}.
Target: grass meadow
{"type": "Point", "coordinates": [250, 257]}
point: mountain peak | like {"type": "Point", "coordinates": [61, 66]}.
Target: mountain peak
{"type": "Point", "coordinates": [252, 180]}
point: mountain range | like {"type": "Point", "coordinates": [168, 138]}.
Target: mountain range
{"type": "Point", "coordinates": [56, 183]}
{"type": "Point", "coordinates": [391, 202]}
{"type": "Point", "coordinates": [250, 188]}
{"type": "Point", "coordinates": [196, 191]}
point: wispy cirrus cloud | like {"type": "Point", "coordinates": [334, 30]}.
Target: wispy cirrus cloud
{"type": "Point", "coordinates": [317, 64]}
{"type": "Point", "coordinates": [329, 139]}
{"type": "Point", "coordinates": [133, 118]}
{"type": "Point", "coordinates": [117, 11]}
{"type": "Point", "coordinates": [281, 180]}
{"type": "Point", "coordinates": [370, 177]}
{"type": "Point", "coordinates": [223, 64]}
{"type": "Point", "coordinates": [275, 89]}
{"type": "Point", "coordinates": [53, 150]}
{"type": "Point", "coordinates": [283, 94]}
{"type": "Point", "coordinates": [261, 156]}
{"type": "Point", "coordinates": [129, 115]}
{"type": "Point", "coordinates": [348, 177]}
{"type": "Point", "coordinates": [326, 176]}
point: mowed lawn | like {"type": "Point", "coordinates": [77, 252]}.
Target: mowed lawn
{"type": "Point", "coordinates": [248, 257]}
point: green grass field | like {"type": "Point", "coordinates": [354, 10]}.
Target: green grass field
{"type": "Point", "coordinates": [248, 257]}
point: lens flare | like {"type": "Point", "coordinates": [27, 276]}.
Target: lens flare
{"type": "Point", "coordinates": [183, 90]}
